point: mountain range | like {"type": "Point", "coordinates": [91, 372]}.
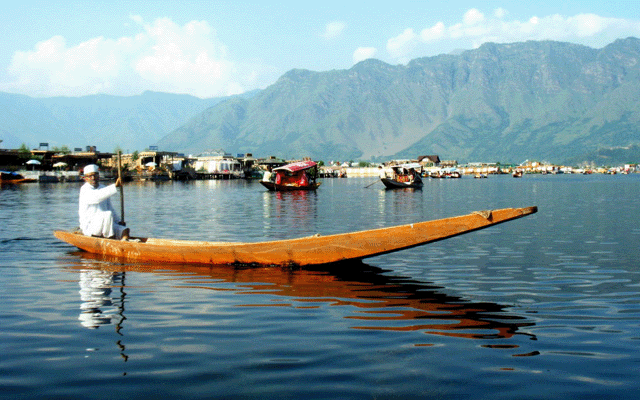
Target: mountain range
{"type": "Point", "coordinates": [542, 100]}
{"type": "Point", "coordinates": [499, 103]}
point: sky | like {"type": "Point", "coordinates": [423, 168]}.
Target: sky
{"type": "Point", "coordinates": [219, 48]}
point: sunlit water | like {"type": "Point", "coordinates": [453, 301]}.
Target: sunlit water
{"type": "Point", "coordinates": [547, 306]}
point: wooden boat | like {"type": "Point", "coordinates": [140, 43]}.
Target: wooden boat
{"type": "Point", "coordinates": [300, 175]}
{"type": "Point", "coordinates": [404, 176]}
{"type": "Point", "coordinates": [305, 251]}
{"type": "Point", "coordinates": [391, 183]}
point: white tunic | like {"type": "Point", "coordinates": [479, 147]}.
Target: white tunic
{"type": "Point", "coordinates": [97, 215]}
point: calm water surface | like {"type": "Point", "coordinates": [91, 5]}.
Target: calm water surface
{"type": "Point", "coordinates": [547, 306]}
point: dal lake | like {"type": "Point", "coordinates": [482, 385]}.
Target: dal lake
{"type": "Point", "coordinates": [547, 306]}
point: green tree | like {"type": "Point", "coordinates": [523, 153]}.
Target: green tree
{"type": "Point", "coordinates": [24, 152]}
{"type": "Point", "coordinates": [61, 150]}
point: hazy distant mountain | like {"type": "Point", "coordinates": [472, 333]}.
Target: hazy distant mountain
{"type": "Point", "coordinates": [104, 121]}
{"type": "Point", "coordinates": [501, 102]}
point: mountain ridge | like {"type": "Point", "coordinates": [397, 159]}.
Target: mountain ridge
{"type": "Point", "coordinates": [500, 102]}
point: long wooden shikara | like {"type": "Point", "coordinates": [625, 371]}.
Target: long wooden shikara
{"type": "Point", "coordinates": [305, 251]}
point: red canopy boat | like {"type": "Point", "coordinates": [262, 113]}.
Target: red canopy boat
{"type": "Point", "coordinates": [301, 175]}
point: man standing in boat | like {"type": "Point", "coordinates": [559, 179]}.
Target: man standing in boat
{"type": "Point", "coordinates": [268, 175]}
{"type": "Point", "coordinates": [97, 215]}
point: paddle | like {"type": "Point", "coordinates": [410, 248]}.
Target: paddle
{"type": "Point", "coordinates": [371, 184]}
{"type": "Point", "coordinates": [121, 190]}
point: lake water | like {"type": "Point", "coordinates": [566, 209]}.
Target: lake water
{"type": "Point", "coordinates": [547, 306]}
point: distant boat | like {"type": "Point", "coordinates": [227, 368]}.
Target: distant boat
{"type": "Point", "coordinates": [404, 176]}
{"type": "Point", "coordinates": [446, 173]}
{"type": "Point", "coordinates": [13, 177]}
{"type": "Point", "coordinates": [300, 175]}
{"type": "Point", "coordinates": [517, 173]}
{"type": "Point", "coordinates": [305, 251]}
{"type": "Point", "coordinates": [454, 175]}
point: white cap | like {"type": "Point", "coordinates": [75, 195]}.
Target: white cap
{"type": "Point", "coordinates": [90, 169]}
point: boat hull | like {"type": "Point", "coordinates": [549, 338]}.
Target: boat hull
{"type": "Point", "coordinates": [394, 184]}
{"type": "Point", "coordinates": [312, 250]}
{"type": "Point", "coordinates": [15, 181]}
{"type": "Point", "coordinates": [287, 188]}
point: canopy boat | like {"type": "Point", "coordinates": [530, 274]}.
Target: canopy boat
{"type": "Point", "coordinates": [455, 174]}
{"type": "Point", "coordinates": [300, 175]}
{"type": "Point", "coordinates": [13, 177]}
{"type": "Point", "coordinates": [305, 251]}
{"type": "Point", "coordinates": [404, 176]}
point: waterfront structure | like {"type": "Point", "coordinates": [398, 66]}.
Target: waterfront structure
{"type": "Point", "coordinates": [223, 166]}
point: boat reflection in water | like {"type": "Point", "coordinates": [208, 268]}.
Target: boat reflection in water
{"type": "Point", "coordinates": [384, 301]}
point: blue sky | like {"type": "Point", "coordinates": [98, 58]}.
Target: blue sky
{"type": "Point", "coordinates": [218, 48]}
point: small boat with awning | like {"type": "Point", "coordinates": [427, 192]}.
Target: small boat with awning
{"type": "Point", "coordinates": [403, 176]}
{"type": "Point", "coordinates": [311, 250]}
{"type": "Point", "coordinates": [301, 175]}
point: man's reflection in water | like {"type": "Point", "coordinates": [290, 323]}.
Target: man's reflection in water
{"type": "Point", "coordinates": [98, 307]}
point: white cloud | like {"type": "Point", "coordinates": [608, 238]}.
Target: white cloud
{"type": "Point", "coordinates": [334, 29]}
{"type": "Point", "coordinates": [187, 58]}
{"type": "Point", "coordinates": [162, 57]}
{"type": "Point", "coordinates": [363, 53]}
{"type": "Point", "coordinates": [402, 44]}
{"type": "Point", "coordinates": [52, 68]}
{"type": "Point", "coordinates": [588, 24]}
{"type": "Point", "coordinates": [475, 28]}
{"type": "Point", "coordinates": [434, 33]}
{"type": "Point", "coordinates": [472, 17]}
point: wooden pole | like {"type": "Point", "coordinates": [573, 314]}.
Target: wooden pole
{"type": "Point", "coordinates": [121, 189]}
{"type": "Point", "coordinates": [371, 184]}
